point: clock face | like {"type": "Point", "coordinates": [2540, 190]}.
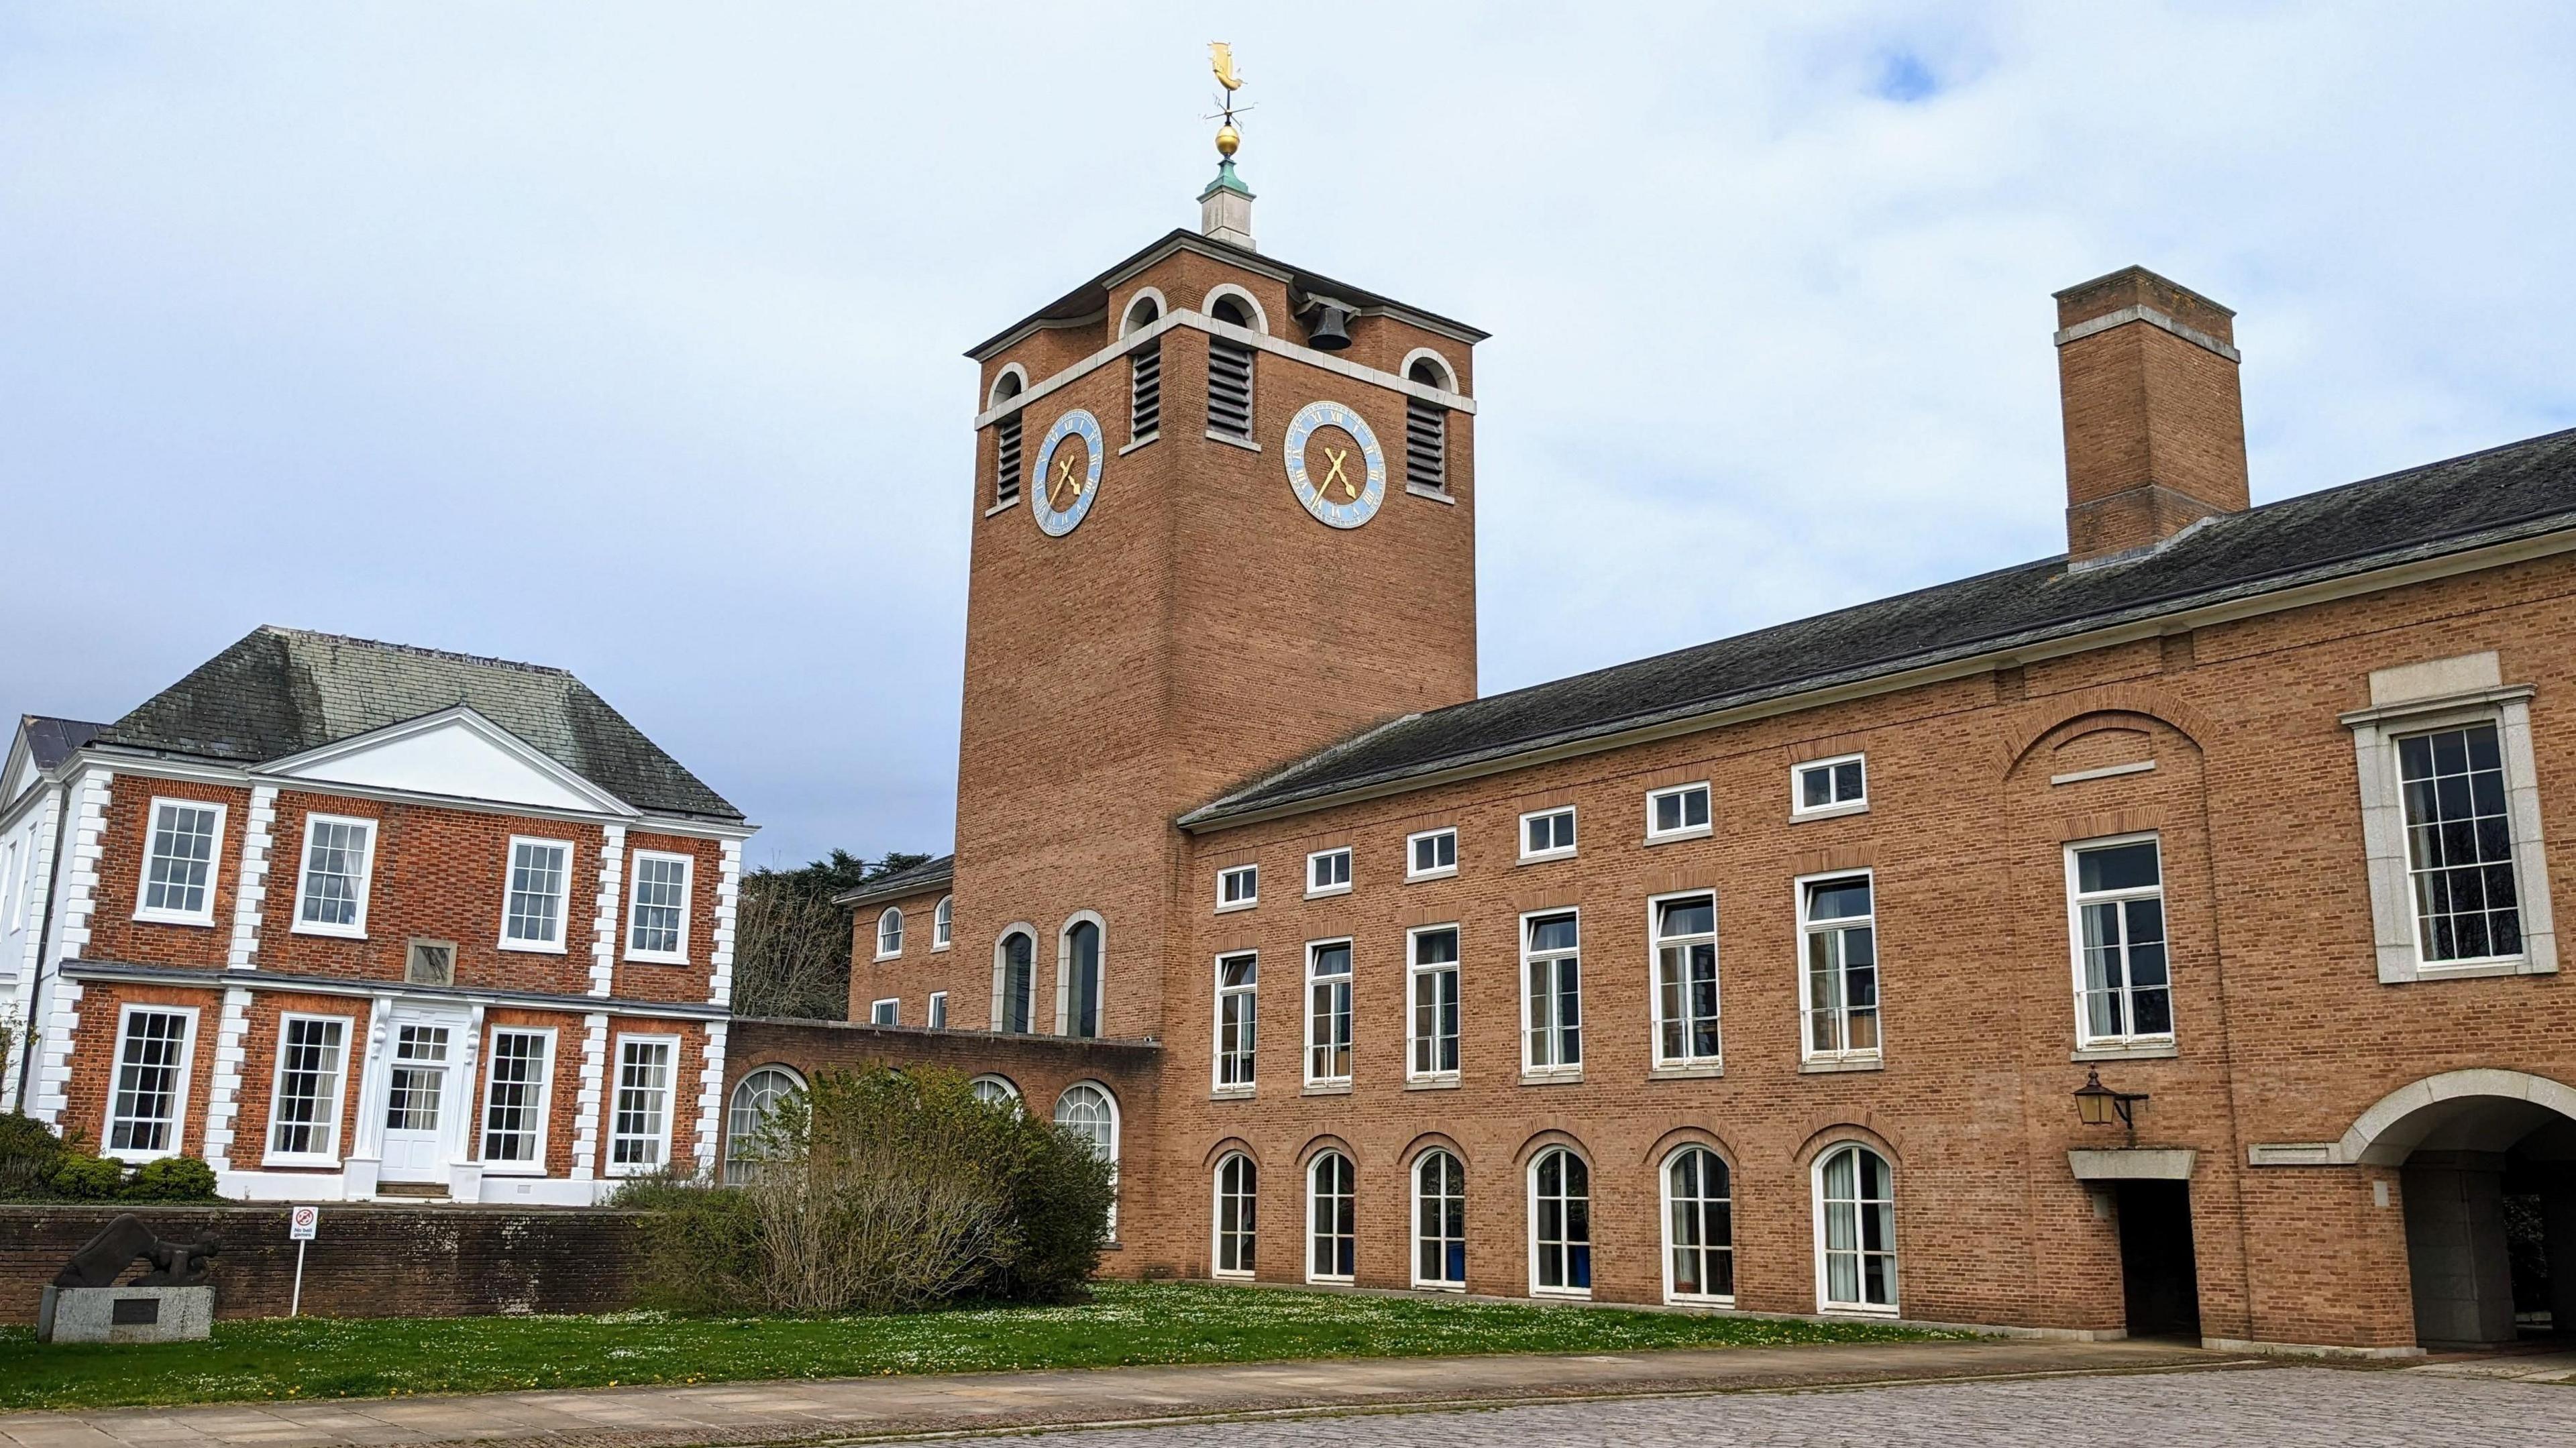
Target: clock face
{"type": "Point", "coordinates": [1068, 473]}
{"type": "Point", "coordinates": [1334, 464]}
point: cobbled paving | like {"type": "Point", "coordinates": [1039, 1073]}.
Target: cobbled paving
{"type": "Point", "coordinates": [2268, 1408]}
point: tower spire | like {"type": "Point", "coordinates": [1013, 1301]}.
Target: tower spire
{"type": "Point", "coordinates": [1225, 207]}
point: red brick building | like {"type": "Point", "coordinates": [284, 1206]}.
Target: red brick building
{"type": "Point", "coordinates": [349, 920]}
{"type": "Point", "coordinates": [1762, 975]}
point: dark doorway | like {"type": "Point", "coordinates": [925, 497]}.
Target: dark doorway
{"type": "Point", "coordinates": [2162, 1282]}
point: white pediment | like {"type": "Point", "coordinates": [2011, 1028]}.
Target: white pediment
{"type": "Point", "coordinates": [457, 753]}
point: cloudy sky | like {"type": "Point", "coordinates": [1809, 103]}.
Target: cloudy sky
{"type": "Point", "coordinates": [626, 337]}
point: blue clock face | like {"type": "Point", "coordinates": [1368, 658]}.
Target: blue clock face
{"type": "Point", "coordinates": [1343, 481]}
{"type": "Point", "coordinates": [1068, 473]}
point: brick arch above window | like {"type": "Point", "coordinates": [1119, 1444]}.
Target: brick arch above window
{"type": "Point", "coordinates": [1539, 1141]}
{"type": "Point", "coordinates": [1230, 1146]}
{"type": "Point", "coordinates": [1681, 1136]}
{"type": "Point", "coordinates": [2027, 727]}
{"type": "Point", "coordinates": [1428, 1141]}
{"type": "Point", "coordinates": [1326, 1142]}
{"type": "Point", "coordinates": [1829, 1131]}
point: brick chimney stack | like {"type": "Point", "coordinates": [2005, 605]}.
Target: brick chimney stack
{"type": "Point", "coordinates": [2155, 425]}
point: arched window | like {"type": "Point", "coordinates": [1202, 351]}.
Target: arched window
{"type": "Point", "coordinates": [1439, 1221]}
{"type": "Point", "coordinates": [1143, 312]}
{"type": "Point", "coordinates": [1080, 1007]}
{"type": "Point", "coordinates": [1237, 1190]}
{"type": "Point", "coordinates": [1015, 981]}
{"type": "Point", "coordinates": [1006, 439]}
{"type": "Point", "coordinates": [889, 933]}
{"type": "Point", "coordinates": [1426, 427]}
{"type": "Point", "coordinates": [1090, 1112]}
{"type": "Point", "coordinates": [1699, 1227]}
{"type": "Point", "coordinates": [1560, 1224]}
{"type": "Point", "coordinates": [754, 1097]}
{"type": "Point", "coordinates": [1855, 1231]}
{"type": "Point", "coordinates": [943, 923]}
{"type": "Point", "coordinates": [995, 1090]}
{"type": "Point", "coordinates": [1229, 383]}
{"type": "Point", "coordinates": [1332, 1238]}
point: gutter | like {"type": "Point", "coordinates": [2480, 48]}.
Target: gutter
{"type": "Point", "coordinates": [909, 885]}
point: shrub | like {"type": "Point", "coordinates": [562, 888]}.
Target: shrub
{"type": "Point", "coordinates": [172, 1179]}
{"type": "Point", "coordinates": [1060, 1195]}
{"type": "Point", "coordinates": [29, 1156]}
{"type": "Point", "coordinates": [88, 1178]}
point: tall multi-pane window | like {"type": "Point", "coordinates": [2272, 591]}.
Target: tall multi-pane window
{"type": "Point", "coordinates": [151, 1083]}
{"type": "Point", "coordinates": [1088, 1111]}
{"type": "Point", "coordinates": [179, 862]}
{"type": "Point", "coordinates": [1238, 1184]}
{"type": "Point", "coordinates": [1439, 1221]}
{"type": "Point", "coordinates": [1686, 980]}
{"type": "Point", "coordinates": [1082, 988]}
{"type": "Point", "coordinates": [1332, 1233]}
{"type": "Point", "coordinates": [331, 894]}
{"type": "Point", "coordinates": [1434, 979]}
{"type": "Point", "coordinates": [658, 915]}
{"type": "Point", "coordinates": [1856, 1231]}
{"type": "Point", "coordinates": [514, 1098]}
{"type": "Point", "coordinates": [1328, 1012]}
{"type": "Point", "coordinates": [1699, 1226]}
{"type": "Point", "coordinates": [1238, 1008]}
{"type": "Point", "coordinates": [938, 1018]}
{"type": "Point", "coordinates": [755, 1097]}
{"type": "Point", "coordinates": [540, 879]}
{"type": "Point", "coordinates": [2122, 976]}
{"type": "Point", "coordinates": [304, 1115]}
{"type": "Point", "coordinates": [1838, 989]}
{"type": "Point", "coordinates": [943, 923]}
{"type": "Point", "coordinates": [1552, 994]}
{"type": "Point", "coordinates": [640, 1131]}
{"type": "Point", "coordinates": [2459, 845]}
{"type": "Point", "coordinates": [889, 933]}
{"type": "Point", "coordinates": [1229, 389]}
{"type": "Point", "coordinates": [1015, 981]}
{"type": "Point", "coordinates": [1560, 1224]}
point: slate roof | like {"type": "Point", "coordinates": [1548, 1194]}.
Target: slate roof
{"type": "Point", "coordinates": [2518, 490]}
{"type": "Point", "coordinates": [50, 741]}
{"type": "Point", "coordinates": [910, 880]}
{"type": "Point", "coordinates": [282, 691]}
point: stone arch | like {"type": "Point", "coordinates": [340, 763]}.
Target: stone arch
{"type": "Point", "coordinates": [1128, 326]}
{"type": "Point", "coordinates": [2399, 1122]}
{"type": "Point", "coordinates": [1251, 303]}
{"type": "Point", "coordinates": [1008, 383]}
{"type": "Point", "coordinates": [1448, 372]}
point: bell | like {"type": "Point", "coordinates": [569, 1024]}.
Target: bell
{"type": "Point", "coordinates": [1331, 332]}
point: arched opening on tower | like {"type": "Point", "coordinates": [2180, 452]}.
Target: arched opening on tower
{"type": "Point", "coordinates": [2490, 1199]}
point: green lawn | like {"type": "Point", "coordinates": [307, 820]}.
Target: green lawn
{"type": "Point", "coordinates": [1124, 1323]}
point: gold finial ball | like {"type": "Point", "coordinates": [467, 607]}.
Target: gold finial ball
{"type": "Point", "coordinates": [1227, 139]}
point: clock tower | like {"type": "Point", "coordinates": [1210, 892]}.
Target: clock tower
{"type": "Point", "coordinates": [1224, 516]}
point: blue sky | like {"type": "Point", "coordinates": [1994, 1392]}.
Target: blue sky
{"type": "Point", "coordinates": [626, 337]}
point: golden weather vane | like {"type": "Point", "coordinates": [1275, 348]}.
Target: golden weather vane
{"type": "Point", "coordinates": [1221, 60]}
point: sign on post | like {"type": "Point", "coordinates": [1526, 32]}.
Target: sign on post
{"type": "Point", "coordinates": [302, 1223]}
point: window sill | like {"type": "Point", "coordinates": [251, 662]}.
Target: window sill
{"type": "Point", "coordinates": [329, 932]}
{"type": "Point", "coordinates": [1145, 441]}
{"type": "Point", "coordinates": [1237, 905]}
{"type": "Point", "coordinates": [1231, 1093]}
{"type": "Point", "coordinates": [1439, 1286]}
{"type": "Point", "coordinates": [642, 958]}
{"type": "Point", "coordinates": [1543, 859]}
{"type": "Point", "coordinates": [1437, 495]}
{"type": "Point", "coordinates": [1684, 1299]}
{"type": "Point", "coordinates": [1687, 1071]}
{"type": "Point", "coordinates": [1827, 1065]}
{"type": "Point", "coordinates": [936, 949]}
{"type": "Point", "coordinates": [1561, 1294]}
{"type": "Point", "coordinates": [1332, 1281]}
{"type": "Point", "coordinates": [1432, 1083]}
{"type": "Point", "coordinates": [2473, 969]}
{"type": "Point", "coordinates": [1216, 1276]}
{"type": "Point", "coordinates": [512, 1169]}
{"type": "Point", "coordinates": [137, 1158]}
{"type": "Point", "coordinates": [1551, 1078]}
{"type": "Point", "coordinates": [1002, 507]}
{"type": "Point", "coordinates": [882, 957]}
{"type": "Point", "coordinates": [142, 917]}
{"type": "Point", "coordinates": [1418, 877]}
{"type": "Point", "coordinates": [1328, 1088]}
{"type": "Point", "coordinates": [1230, 440]}
{"type": "Point", "coordinates": [1829, 811]}
{"type": "Point", "coordinates": [2126, 1051]}
{"type": "Point", "coordinates": [1328, 890]}
{"type": "Point", "coordinates": [1674, 836]}
{"type": "Point", "coordinates": [1848, 1310]}
{"type": "Point", "coordinates": [521, 947]}
{"type": "Point", "coordinates": [300, 1163]}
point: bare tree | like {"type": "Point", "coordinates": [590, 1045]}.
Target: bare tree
{"type": "Point", "coordinates": [791, 952]}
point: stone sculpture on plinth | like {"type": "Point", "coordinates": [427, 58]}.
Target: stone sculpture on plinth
{"type": "Point", "coordinates": [172, 1302]}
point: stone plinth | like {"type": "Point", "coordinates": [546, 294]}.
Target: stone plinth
{"type": "Point", "coordinates": [124, 1314]}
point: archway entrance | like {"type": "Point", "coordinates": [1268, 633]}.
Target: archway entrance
{"type": "Point", "coordinates": [2487, 1164]}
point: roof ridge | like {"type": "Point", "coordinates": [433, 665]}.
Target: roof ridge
{"type": "Point", "coordinates": [449, 655]}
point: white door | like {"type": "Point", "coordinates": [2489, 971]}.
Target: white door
{"type": "Point", "coordinates": [420, 1093]}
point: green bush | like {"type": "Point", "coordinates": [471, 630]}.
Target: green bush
{"type": "Point", "coordinates": [29, 1156]}
{"type": "Point", "coordinates": [1060, 1196]}
{"type": "Point", "coordinates": [172, 1179]}
{"type": "Point", "coordinates": [88, 1178]}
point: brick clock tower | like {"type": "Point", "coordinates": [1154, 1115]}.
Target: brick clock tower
{"type": "Point", "coordinates": [1224, 517]}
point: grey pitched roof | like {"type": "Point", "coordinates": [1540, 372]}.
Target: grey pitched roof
{"type": "Point", "coordinates": [283, 691]}
{"type": "Point", "coordinates": [50, 740]}
{"type": "Point", "coordinates": [910, 880]}
{"type": "Point", "coordinates": [2517, 490]}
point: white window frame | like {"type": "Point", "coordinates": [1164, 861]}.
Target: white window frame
{"type": "Point", "coordinates": [943, 924]}
{"type": "Point", "coordinates": [1848, 1057]}
{"type": "Point", "coordinates": [1117, 1136]}
{"type": "Point", "coordinates": [328, 1130]}
{"type": "Point", "coordinates": [1310, 1235]}
{"type": "Point", "coordinates": [1000, 1021]}
{"type": "Point", "coordinates": [214, 863]}
{"type": "Point", "coordinates": [635, 907]}
{"type": "Point", "coordinates": [738, 1132]}
{"type": "Point", "coordinates": [1552, 852]}
{"type": "Point", "coordinates": [937, 1019]}
{"type": "Point", "coordinates": [1798, 807]}
{"type": "Point", "coordinates": [1685, 831]}
{"type": "Point", "coordinates": [544, 1108]}
{"type": "Point", "coordinates": [1216, 1218]}
{"type": "Point", "coordinates": [1009, 1089]}
{"type": "Point", "coordinates": [1349, 1014]}
{"type": "Point", "coordinates": [179, 1089]}
{"type": "Point", "coordinates": [1529, 1202]}
{"type": "Point", "coordinates": [886, 1012]}
{"type": "Point", "coordinates": [1251, 874]}
{"type": "Point", "coordinates": [2085, 1040]}
{"type": "Point", "coordinates": [1414, 970]}
{"type": "Point", "coordinates": [1688, 1061]}
{"type": "Point", "coordinates": [1250, 994]}
{"type": "Point", "coordinates": [1825, 1305]}
{"type": "Point", "coordinates": [889, 928]}
{"type": "Point", "coordinates": [563, 899]}
{"type": "Point", "coordinates": [1413, 842]}
{"type": "Point", "coordinates": [1342, 853]}
{"type": "Point", "coordinates": [365, 885]}
{"type": "Point", "coordinates": [1413, 1237]}
{"type": "Point", "coordinates": [1664, 1198]}
{"type": "Point", "coordinates": [1559, 1069]}
{"type": "Point", "coordinates": [670, 1105]}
